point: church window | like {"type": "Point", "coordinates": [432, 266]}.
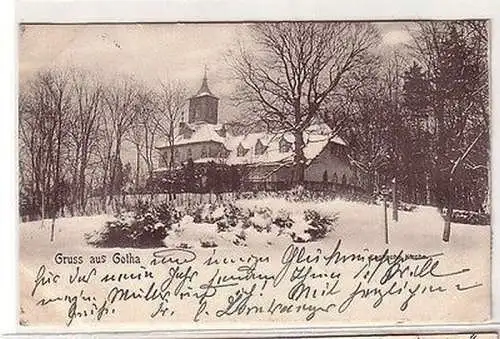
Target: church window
{"type": "Point", "coordinates": [335, 178]}
{"type": "Point", "coordinates": [204, 152]}
{"type": "Point", "coordinates": [259, 148]}
{"type": "Point", "coordinates": [325, 176]}
{"type": "Point", "coordinates": [241, 151]}
{"type": "Point", "coordinates": [189, 153]}
{"type": "Point", "coordinates": [344, 180]}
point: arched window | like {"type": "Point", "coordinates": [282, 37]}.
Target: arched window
{"type": "Point", "coordinates": [325, 176]}
{"type": "Point", "coordinates": [344, 180]}
{"type": "Point", "coordinates": [190, 153]}
{"type": "Point", "coordinates": [335, 178]}
{"type": "Point", "coordinates": [259, 148]}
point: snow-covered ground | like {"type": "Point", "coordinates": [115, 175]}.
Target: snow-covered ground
{"type": "Point", "coordinates": [360, 227]}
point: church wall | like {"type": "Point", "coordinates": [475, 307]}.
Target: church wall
{"type": "Point", "coordinates": [284, 174]}
{"type": "Point", "coordinates": [334, 163]}
{"type": "Point", "coordinates": [194, 151]}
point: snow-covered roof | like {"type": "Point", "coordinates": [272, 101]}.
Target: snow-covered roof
{"type": "Point", "coordinates": [315, 139]}
{"type": "Point", "coordinates": [201, 132]}
{"type": "Point", "coordinates": [314, 144]}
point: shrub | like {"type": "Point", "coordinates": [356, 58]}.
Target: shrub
{"type": "Point", "coordinates": [319, 226]}
{"type": "Point", "coordinates": [230, 218]}
{"type": "Point", "coordinates": [283, 221]}
{"type": "Point", "coordinates": [208, 243]}
{"type": "Point", "coordinates": [260, 218]}
{"type": "Point", "coordinates": [240, 239]}
{"type": "Point", "coordinates": [145, 227]}
{"type": "Point", "coordinates": [402, 206]}
{"type": "Point", "coordinates": [469, 217]}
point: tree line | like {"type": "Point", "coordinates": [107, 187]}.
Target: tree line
{"type": "Point", "coordinates": [417, 114]}
{"type": "Point", "coordinates": [72, 130]}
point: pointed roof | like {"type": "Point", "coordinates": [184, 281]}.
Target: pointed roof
{"type": "Point", "coordinates": [204, 90]}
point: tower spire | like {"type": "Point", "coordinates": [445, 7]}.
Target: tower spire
{"type": "Point", "coordinates": [203, 106]}
{"type": "Point", "coordinates": [204, 90]}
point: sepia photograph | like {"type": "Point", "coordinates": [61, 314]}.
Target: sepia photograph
{"type": "Point", "coordinates": [270, 174]}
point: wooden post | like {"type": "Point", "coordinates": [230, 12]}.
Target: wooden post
{"type": "Point", "coordinates": [385, 220]}
{"type": "Point", "coordinates": [394, 201]}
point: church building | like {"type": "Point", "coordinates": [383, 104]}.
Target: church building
{"type": "Point", "coordinates": [267, 156]}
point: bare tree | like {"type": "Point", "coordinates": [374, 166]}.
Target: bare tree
{"type": "Point", "coordinates": [170, 104]}
{"type": "Point", "coordinates": [295, 69]}
{"type": "Point", "coordinates": [43, 113]}
{"type": "Point", "coordinates": [120, 102]}
{"type": "Point", "coordinates": [144, 132]}
{"type": "Point", "coordinates": [83, 128]}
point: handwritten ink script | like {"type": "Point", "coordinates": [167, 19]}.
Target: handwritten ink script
{"type": "Point", "coordinates": [300, 283]}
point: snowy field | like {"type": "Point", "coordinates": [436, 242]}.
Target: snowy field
{"type": "Point", "coordinates": [360, 228]}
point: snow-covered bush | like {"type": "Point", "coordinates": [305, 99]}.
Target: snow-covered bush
{"type": "Point", "coordinates": [145, 227]}
{"type": "Point", "coordinates": [319, 226]}
{"type": "Point", "coordinates": [240, 238]}
{"type": "Point", "coordinates": [312, 226]}
{"type": "Point", "coordinates": [283, 221]}
{"type": "Point", "coordinates": [468, 217]}
{"type": "Point", "coordinates": [208, 243]}
{"type": "Point", "coordinates": [230, 217]}
{"type": "Point", "coordinates": [260, 219]}
{"type": "Point", "coordinates": [209, 225]}
{"type": "Point", "coordinates": [402, 206]}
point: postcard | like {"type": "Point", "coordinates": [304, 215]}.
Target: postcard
{"type": "Point", "coordinates": [269, 174]}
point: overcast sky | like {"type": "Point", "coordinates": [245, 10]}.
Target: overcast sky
{"type": "Point", "coordinates": [151, 52]}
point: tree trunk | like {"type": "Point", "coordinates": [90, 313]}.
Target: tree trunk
{"type": "Point", "coordinates": [42, 206]}
{"type": "Point", "coordinates": [55, 195]}
{"type": "Point", "coordinates": [137, 167]}
{"type": "Point", "coordinates": [299, 159]}
{"type": "Point", "coordinates": [449, 211]}
{"type": "Point", "coordinates": [427, 189]}
{"type": "Point", "coordinates": [81, 187]}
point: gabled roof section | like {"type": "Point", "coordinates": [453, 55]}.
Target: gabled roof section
{"type": "Point", "coordinates": [314, 144]}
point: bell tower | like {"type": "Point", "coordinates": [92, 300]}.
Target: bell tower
{"type": "Point", "coordinates": [203, 106]}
